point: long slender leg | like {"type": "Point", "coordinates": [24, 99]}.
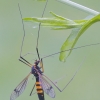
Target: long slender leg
{"type": "Point", "coordinates": [32, 90]}
{"type": "Point", "coordinates": [69, 80]}
{"type": "Point", "coordinates": [39, 30]}
{"type": "Point", "coordinates": [24, 36]}
{"type": "Point", "coordinates": [32, 53]}
{"type": "Point", "coordinates": [56, 81]}
{"type": "Point", "coordinates": [25, 63]}
{"type": "Point", "coordinates": [88, 45]}
{"type": "Point", "coordinates": [22, 39]}
{"type": "Point", "coordinates": [41, 65]}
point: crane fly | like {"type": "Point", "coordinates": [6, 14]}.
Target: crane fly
{"type": "Point", "coordinates": [43, 83]}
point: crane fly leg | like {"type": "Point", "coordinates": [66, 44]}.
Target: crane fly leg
{"type": "Point", "coordinates": [69, 80]}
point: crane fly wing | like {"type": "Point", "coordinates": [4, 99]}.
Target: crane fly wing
{"type": "Point", "coordinates": [48, 89]}
{"type": "Point", "coordinates": [20, 88]}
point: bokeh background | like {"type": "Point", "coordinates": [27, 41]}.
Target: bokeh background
{"type": "Point", "coordinates": [86, 84]}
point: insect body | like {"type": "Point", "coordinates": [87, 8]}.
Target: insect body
{"type": "Point", "coordinates": [35, 70]}
{"type": "Point", "coordinates": [41, 84]}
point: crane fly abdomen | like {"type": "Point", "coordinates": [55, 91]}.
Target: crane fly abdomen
{"type": "Point", "coordinates": [39, 89]}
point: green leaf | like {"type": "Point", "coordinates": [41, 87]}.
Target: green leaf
{"type": "Point", "coordinates": [57, 16]}
{"type": "Point", "coordinates": [80, 21]}
{"type": "Point", "coordinates": [50, 21]}
{"type": "Point", "coordinates": [74, 36]}
{"type": "Point", "coordinates": [58, 22]}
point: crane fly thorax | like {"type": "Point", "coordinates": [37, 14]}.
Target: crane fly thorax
{"type": "Point", "coordinates": [34, 71]}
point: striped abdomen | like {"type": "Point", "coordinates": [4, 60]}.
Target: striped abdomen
{"type": "Point", "coordinates": [39, 89]}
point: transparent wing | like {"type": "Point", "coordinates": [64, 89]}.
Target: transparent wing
{"type": "Point", "coordinates": [20, 88]}
{"type": "Point", "coordinates": [48, 89]}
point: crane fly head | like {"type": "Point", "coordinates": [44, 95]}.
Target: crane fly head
{"type": "Point", "coordinates": [36, 62]}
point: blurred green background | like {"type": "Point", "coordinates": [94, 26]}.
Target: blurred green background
{"type": "Point", "coordinates": [86, 84]}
